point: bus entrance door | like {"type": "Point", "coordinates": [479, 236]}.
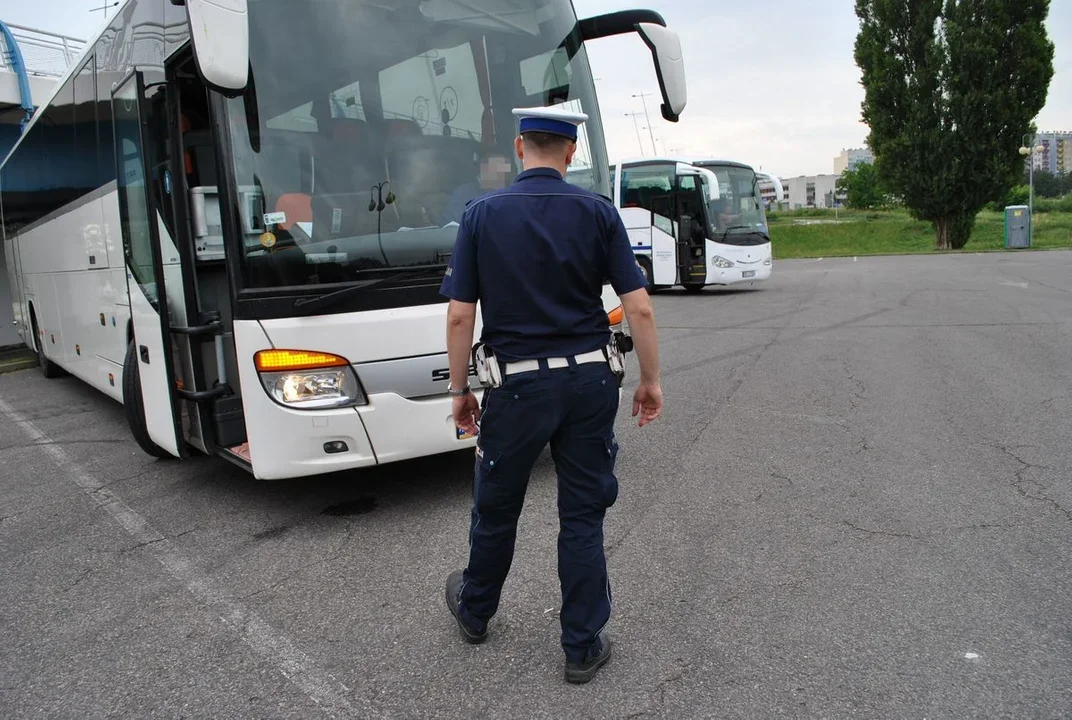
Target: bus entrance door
{"type": "Point", "coordinates": [145, 267]}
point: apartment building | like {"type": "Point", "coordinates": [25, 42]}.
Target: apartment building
{"type": "Point", "coordinates": [850, 158]}
{"type": "Point", "coordinates": [1056, 154]}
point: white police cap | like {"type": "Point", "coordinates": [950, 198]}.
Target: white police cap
{"type": "Point", "coordinates": [553, 120]}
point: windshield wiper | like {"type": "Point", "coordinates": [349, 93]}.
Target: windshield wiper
{"type": "Point", "coordinates": [332, 298]}
{"type": "Point", "coordinates": [726, 232]}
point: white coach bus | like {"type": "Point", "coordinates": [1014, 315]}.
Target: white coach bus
{"type": "Point", "coordinates": [693, 223]}
{"type": "Point", "coordinates": [233, 215]}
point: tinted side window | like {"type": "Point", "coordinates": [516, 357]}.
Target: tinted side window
{"type": "Point", "coordinates": [86, 173]}
{"type": "Point", "coordinates": [645, 185]}
{"type": "Point", "coordinates": [105, 137]}
{"type": "Point", "coordinates": [52, 184]}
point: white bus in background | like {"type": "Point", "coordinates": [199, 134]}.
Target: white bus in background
{"type": "Point", "coordinates": [232, 218]}
{"type": "Point", "coordinates": [770, 189]}
{"type": "Point", "coordinates": [693, 224]}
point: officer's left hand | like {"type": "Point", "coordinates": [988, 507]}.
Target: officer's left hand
{"type": "Point", "coordinates": [467, 413]}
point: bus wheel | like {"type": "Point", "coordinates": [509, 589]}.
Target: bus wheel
{"type": "Point", "coordinates": [48, 368]}
{"type": "Point", "coordinates": [134, 406]}
{"type": "Point", "coordinates": [645, 265]}
{"type": "Point", "coordinates": [693, 287]}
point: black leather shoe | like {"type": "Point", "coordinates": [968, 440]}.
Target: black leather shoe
{"type": "Point", "coordinates": [454, 603]}
{"type": "Point", "coordinates": [579, 673]}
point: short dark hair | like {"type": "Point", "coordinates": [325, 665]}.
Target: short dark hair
{"type": "Point", "coordinates": [483, 152]}
{"type": "Point", "coordinates": [547, 142]}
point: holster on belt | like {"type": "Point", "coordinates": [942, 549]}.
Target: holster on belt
{"type": "Point", "coordinates": [615, 359]}
{"type": "Point", "coordinates": [488, 370]}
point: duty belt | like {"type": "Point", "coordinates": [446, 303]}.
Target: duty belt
{"type": "Point", "coordinates": [513, 368]}
{"type": "Point", "coordinates": [490, 372]}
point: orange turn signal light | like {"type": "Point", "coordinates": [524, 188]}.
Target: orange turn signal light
{"type": "Point", "coordinates": [616, 316]}
{"type": "Point", "coordinates": [283, 360]}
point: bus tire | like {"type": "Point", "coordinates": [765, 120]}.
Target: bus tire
{"type": "Point", "coordinates": [48, 368]}
{"type": "Point", "coordinates": [649, 276]}
{"type": "Point", "coordinates": [134, 406]}
{"type": "Point", "coordinates": [693, 287]}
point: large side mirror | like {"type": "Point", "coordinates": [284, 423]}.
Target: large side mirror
{"type": "Point", "coordinates": [220, 33]}
{"type": "Point", "coordinates": [665, 48]}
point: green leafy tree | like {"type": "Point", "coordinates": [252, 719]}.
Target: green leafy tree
{"type": "Point", "coordinates": [950, 87]}
{"type": "Point", "coordinates": [861, 187]}
{"type": "Point", "coordinates": [1017, 195]}
{"type": "Point", "coordinates": [1047, 184]}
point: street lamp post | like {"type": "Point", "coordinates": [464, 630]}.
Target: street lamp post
{"type": "Point", "coordinates": [654, 150]}
{"type": "Point", "coordinates": [647, 119]}
{"type": "Point", "coordinates": [636, 128]}
{"type": "Point", "coordinates": [1028, 151]}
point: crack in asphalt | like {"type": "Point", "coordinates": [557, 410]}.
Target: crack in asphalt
{"type": "Point", "coordinates": [860, 392]}
{"type": "Point", "coordinates": [83, 576]}
{"type": "Point", "coordinates": [658, 693]}
{"type": "Point", "coordinates": [1020, 481]}
{"type": "Point", "coordinates": [933, 533]}
{"type": "Point", "coordinates": [884, 533]}
{"type": "Point", "coordinates": [1053, 400]}
{"type": "Point", "coordinates": [140, 545]}
{"type": "Point", "coordinates": [776, 476]}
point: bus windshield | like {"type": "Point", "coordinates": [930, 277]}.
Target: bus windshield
{"type": "Point", "coordinates": [367, 126]}
{"type": "Point", "coordinates": [736, 215]}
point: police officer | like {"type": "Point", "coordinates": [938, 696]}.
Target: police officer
{"type": "Point", "coordinates": [535, 255]}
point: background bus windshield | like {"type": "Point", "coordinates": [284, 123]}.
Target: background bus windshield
{"type": "Point", "coordinates": [365, 131]}
{"type": "Point", "coordinates": [737, 215]}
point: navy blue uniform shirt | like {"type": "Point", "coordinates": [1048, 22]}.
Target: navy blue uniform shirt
{"type": "Point", "coordinates": [535, 255]}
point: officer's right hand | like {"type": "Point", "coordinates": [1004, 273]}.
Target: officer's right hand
{"type": "Point", "coordinates": [647, 402]}
{"type": "Point", "coordinates": [467, 413]}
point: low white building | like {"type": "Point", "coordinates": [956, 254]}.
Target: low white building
{"type": "Point", "coordinates": [806, 191]}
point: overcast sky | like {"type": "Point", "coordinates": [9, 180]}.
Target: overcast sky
{"type": "Point", "coordinates": [772, 84]}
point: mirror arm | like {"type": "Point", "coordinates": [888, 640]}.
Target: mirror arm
{"type": "Point", "coordinates": [616, 23]}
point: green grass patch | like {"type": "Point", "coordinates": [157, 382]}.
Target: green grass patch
{"type": "Point", "coordinates": [16, 359]}
{"type": "Point", "coordinates": [816, 233]}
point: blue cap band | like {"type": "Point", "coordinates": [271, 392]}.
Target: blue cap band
{"type": "Point", "coordinates": [555, 127]}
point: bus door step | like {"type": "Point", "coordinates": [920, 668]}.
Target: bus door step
{"type": "Point", "coordinates": [230, 421]}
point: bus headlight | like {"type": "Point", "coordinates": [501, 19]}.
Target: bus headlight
{"type": "Point", "coordinates": [308, 380]}
{"type": "Point", "coordinates": [768, 261]}
{"type": "Point", "coordinates": [721, 262]}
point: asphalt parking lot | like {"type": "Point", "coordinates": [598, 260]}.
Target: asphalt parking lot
{"type": "Point", "coordinates": [858, 503]}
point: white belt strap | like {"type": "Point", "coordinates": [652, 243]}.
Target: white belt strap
{"type": "Point", "coordinates": [553, 363]}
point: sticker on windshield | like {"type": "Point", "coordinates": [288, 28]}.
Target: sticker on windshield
{"type": "Point", "coordinates": [326, 257]}
{"type": "Point", "coordinates": [275, 218]}
{"type": "Point", "coordinates": [336, 221]}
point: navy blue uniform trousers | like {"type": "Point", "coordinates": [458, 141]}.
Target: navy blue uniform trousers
{"type": "Point", "coordinates": [572, 409]}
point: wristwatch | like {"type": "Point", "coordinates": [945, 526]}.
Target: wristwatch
{"type": "Point", "coordinates": [460, 392]}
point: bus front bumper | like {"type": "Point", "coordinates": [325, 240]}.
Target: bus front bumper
{"type": "Point", "coordinates": [739, 274]}
{"type": "Point", "coordinates": [400, 428]}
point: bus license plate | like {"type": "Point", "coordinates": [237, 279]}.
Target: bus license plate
{"type": "Point", "coordinates": [748, 273]}
{"type": "Point", "coordinates": [462, 435]}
